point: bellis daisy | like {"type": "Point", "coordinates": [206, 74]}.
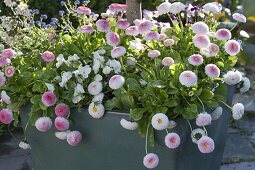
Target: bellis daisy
{"type": "Point", "coordinates": [62, 110]}
{"type": "Point", "coordinates": [112, 38]}
{"type": "Point", "coordinates": [6, 116]}
{"type": "Point", "coordinates": [201, 41]}
{"type": "Point", "coordinates": [8, 53]}
{"type": "Point", "coordinates": [5, 98]}
{"type": "Point", "coordinates": [211, 7]}
{"type": "Point", "coordinates": [246, 84]}
{"type": "Point", "coordinates": [205, 144]}
{"type": "Point", "coordinates": [196, 134]}
{"type": "Point", "coordinates": [43, 124]}
{"type": "Point", "coordinates": [217, 113]}
{"type": "Point", "coordinates": [122, 24]}
{"type": "Point", "coordinates": [154, 53]}
{"type": "Point", "coordinates": [159, 121]}
{"type": "Point", "coordinates": [169, 42]}
{"type": "Point", "coordinates": [62, 135]}
{"type": "Point", "coordinates": [188, 78]}
{"type": "Point", "coordinates": [83, 10]}
{"type": "Point", "coordinates": [213, 49]}
{"type": "Point", "coordinates": [118, 51]}
{"type": "Point", "coordinates": [164, 8]}
{"type": "Point", "coordinates": [144, 27]}
{"type": "Point", "coordinates": [2, 79]}
{"type": "Point", "coordinates": [95, 87]}
{"type": "Point", "coordinates": [232, 77]}
{"type": "Point", "coordinates": [103, 25]}
{"type": "Point", "coordinates": [61, 124]}
{"type": "Point", "coordinates": [237, 111]}
{"type": "Point", "coordinates": [48, 56]}
{"type": "Point", "coordinates": [200, 28]}
{"type": "Point", "coordinates": [212, 71]}
{"type": "Point", "coordinates": [87, 29]}
{"type": "Point", "coordinates": [152, 35]}
{"type": "Point", "coordinates": [133, 31]}
{"type": "Point", "coordinates": [4, 61]}
{"type": "Point", "coordinates": [150, 161]}
{"type": "Point", "coordinates": [9, 71]}
{"type": "Point", "coordinates": [98, 98]}
{"type": "Point", "coordinates": [172, 140]}
{"type": "Point", "coordinates": [96, 110]}
{"type": "Point", "coordinates": [177, 7]}
{"type": "Point", "coordinates": [74, 138]}
{"type": "Point", "coordinates": [116, 82]}
{"type": "Point", "coordinates": [239, 17]}
{"type": "Point", "coordinates": [195, 59]}
{"type": "Point", "coordinates": [203, 119]}
{"type": "Point", "coordinates": [232, 47]}
{"type": "Point", "coordinates": [168, 61]}
{"type": "Point", "coordinates": [223, 34]}
{"type": "Point", "coordinates": [49, 98]}
{"type": "Point", "coordinates": [128, 125]}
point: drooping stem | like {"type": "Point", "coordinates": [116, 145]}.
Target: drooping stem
{"type": "Point", "coordinates": [146, 139]}
{"type": "Point", "coordinates": [171, 21]}
{"type": "Point", "coordinates": [234, 26]}
{"type": "Point", "coordinates": [189, 125]}
{"type": "Point", "coordinates": [226, 104]}
{"type": "Point", "coordinates": [201, 103]}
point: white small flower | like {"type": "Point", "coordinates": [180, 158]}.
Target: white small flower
{"type": "Point", "coordinates": [217, 113]}
{"type": "Point", "coordinates": [107, 70]}
{"type": "Point", "coordinates": [24, 145]}
{"type": "Point", "coordinates": [115, 65]}
{"type": "Point", "coordinates": [62, 135]}
{"type": "Point", "coordinates": [232, 77]}
{"type": "Point", "coordinates": [131, 61]}
{"type": "Point", "coordinates": [136, 44]}
{"type": "Point", "coordinates": [164, 8]}
{"type": "Point", "coordinates": [128, 125]}
{"type": "Point", "coordinates": [96, 111]}
{"type": "Point", "coordinates": [237, 111]}
{"type": "Point", "coordinates": [245, 85]}
{"type": "Point", "coordinates": [98, 77]}
{"type": "Point", "coordinates": [200, 28]}
{"type": "Point", "coordinates": [211, 7]}
{"type": "Point", "coordinates": [78, 89]}
{"type": "Point", "coordinates": [101, 51]}
{"type": "Point", "coordinates": [65, 77]}
{"type": "Point", "coordinates": [60, 60]}
{"type": "Point", "coordinates": [239, 17]}
{"type": "Point", "coordinates": [77, 98]}
{"type": "Point", "coordinates": [172, 124]}
{"type": "Point", "coordinates": [160, 121]}
{"type": "Point", "coordinates": [50, 87]}
{"type": "Point", "coordinates": [5, 98]}
{"type": "Point", "coordinates": [196, 134]}
{"type": "Point", "coordinates": [83, 71]}
{"type": "Point", "coordinates": [98, 98]}
{"type": "Point", "coordinates": [116, 82]}
{"type": "Point", "coordinates": [177, 7]}
{"type": "Point", "coordinates": [72, 59]}
{"type": "Point", "coordinates": [95, 87]}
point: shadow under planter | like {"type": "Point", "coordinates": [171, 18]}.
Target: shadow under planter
{"type": "Point", "coordinates": [106, 145]}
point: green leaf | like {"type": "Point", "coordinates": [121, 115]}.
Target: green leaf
{"type": "Point", "coordinates": [127, 101]}
{"type": "Point", "coordinates": [133, 85]}
{"type": "Point", "coordinates": [206, 95]}
{"type": "Point", "coordinates": [190, 112]}
{"type": "Point", "coordinates": [137, 113]}
{"type": "Point", "coordinates": [157, 83]}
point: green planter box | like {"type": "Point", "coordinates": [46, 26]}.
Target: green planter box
{"type": "Point", "coordinates": [106, 145]}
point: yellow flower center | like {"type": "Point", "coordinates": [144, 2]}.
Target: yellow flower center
{"type": "Point", "coordinates": [206, 144]}
{"type": "Point", "coordinates": [94, 109]}
{"type": "Point", "coordinates": [151, 161]}
{"type": "Point", "coordinates": [160, 121]}
{"type": "Point", "coordinates": [9, 71]}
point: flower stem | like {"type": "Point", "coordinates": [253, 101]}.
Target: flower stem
{"type": "Point", "coordinates": [234, 26]}
{"type": "Point", "coordinates": [226, 105]}
{"type": "Point", "coordinates": [205, 131]}
{"type": "Point", "coordinates": [171, 21]}
{"type": "Point", "coordinates": [201, 103]}
{"type": "Point", "coordinates": [189, 125]}
{"type": "Point", "coordinates": [12, 133]}
{"type": "Point", "coordinates": [146, 139]}
{"type": "Point", "coordinates": [181, 24]}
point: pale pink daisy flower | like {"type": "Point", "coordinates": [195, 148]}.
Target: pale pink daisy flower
{"type": "Point", "coordinates": [61, 124]}
{"type": "Point", "coordinates": [48, 56]}
{"type": "Point", "coordinates": [9, 71]}
{"type": "Point", "coordinates": [6, 116]}
{"type": "Point", "coordinates": [74, 138]}
{"type": "Point", "coordinates": [205, 144]}
{"type": "Point", "coordinates": [95, 87]}
{"type": "Point", "coordinates": [239, 17]}
{"type": "Point", "coordinates": [5, 98]}
{"type": "Point", "coordinates": [117, 52]}
{"type": "Point", "coordinates": [201, 41]}
{"type": "Point", "coordinates": [160, 121]}
{"type": "Point", "coordinates": [212, 71]}
{"type": "Point", "coordinates": [4, 61]}
{"type": "Point", "coordinates": [213, 49]}
{"type": "Point", "coordinates": [153, 53]}
{"type": "Point", "coordinates": [168, 61]}
{"type": "Point", "coordinates": [200, 28]}
{"type": "Point", "coordinates": [112, 38]}
{"type": "Point", "coordinates": [150, 161]}
{"type": "Point", "coordinates": [122, 24]}
{"type": "Point", "coordinates": [2, 79]}
{"type": "Point", "coordinates": [43, 124]}
{"type": "Point", "coordinates": [203, 119]}
{"type": "Point", "coordinates": [133, 31]}
{"type": "Point", "coordinates": [115, 7]}
{"type": "Point", "coordinates": [62, 110]}
{"type": "Point", "coordinates": [232, 77]}
{"type": "Point", "coordinates": [162, 37]}
{"type": "Point", "coordinates": [145, 27]}
{"type": "Point", "coordinates": [152, 35]}
{"type": "Point", "coordinates": [103, 25]}
{"type": "Point", "coordinates": [164, 8]}
{"type": "Point", "coordinates": [217, 113]}
{"type": "Point", "coordinates": [169, 42]}
{"type": "Point", "coordinates": [116, 82]}
{"type": "Point", "coordinates": [237, 111]}
{"type": "Point", "coordinates": [223, 34]}
{"type": "Point", "coordinates": [232, 47]}
{"type": "Point", "coordinates": [49, 98]}
{"type": "Point", "coordinates": [8, 53]}
{"type": "Point", "coordinates": [87, 29]}
{"type": "Point", "coordinates": [172, 140]}
{"type": "Point", "coordinates": [195, 60]}
{"type": "Point", "coordinates": [188, 78]}
{"type": "Point", "coordinates": [83, 10]}
{"type": "Point", "coordinates": [96, 110]}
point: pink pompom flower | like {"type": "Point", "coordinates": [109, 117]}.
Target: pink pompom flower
{"type": "Point", "coordinates": [115, 7]}
{"type": "Point", "coordinates": [43, 124]}
{"type": "Point", "coordinates": [83, 10]}
{"type": "Point", "coordinates": [122, 24]}
{"type": "Point", "coordinates": [103, 25]}
{"type": "Point", "coordinates": [201, 41]}
{"type": "Point", "coordinates": [2, 79]}
{"type": "Point", "coordinates": [188, 78]}
{"type": "Point", "coordinates": [48, 56]}
{"type": "Point", "coordinates": [87, 29]}
{"type": "Point", "coordinates": [74, 138]}
{"type": "Point", "coordinates": [212, 71]}
{"type": "Point", "coordinates": [172, 140]}
{"type": "Point", "coordinates": [223, 34]}
{"type": "Point", "coordinates": [118, 51]}
{"type": "Point", "coordinates": [150, 161]}
{"type": "Point", "coordinates": [49, 98]}
{"type": "Point", "coordinates": [116, 82]}
{"type": "Point", "coordinates": [145, 27]}
{"type": "Point", "coordinates": [213, 49]}
{"type": "Point", "coordinates": [203, 119]}
{"type": "Point", "coordinates": [61, 124]}
{"type": "Point", "coordinates": [195, 59]}
{"type": "Point", "coordinates": [152, 35]}
{"type": "Point", "coordinates": [62, 110]}
{"type": "Point", "coordinates": [8, 53]}
{"type": "Point", "coordinates": [154, 53]}
{"type": "Point", "coordinates": [133, 31]}
{"type": "Point", "coordinates": [232, 47]}
{"type": "Point", "coordinates": [169, 42]}
{"type": "Point", "coordinates": [112, 38]}
{"type": "Point", "coordinates": [162, 37]}
{"type": "Point", "coordinates": [239, 17]}
{"type": "Point", "coordinates": [6, 116]}
{"type": "Point", "coordinates": [5, 98]}
{"type": "Point", "coordinates": [168, 61]}
{"type": "Point", "coordinates": [4, 61]}
{"type": "Point", "coordinates": [205, 144]}
{"type": "Point", "coordinates": [9, 71]}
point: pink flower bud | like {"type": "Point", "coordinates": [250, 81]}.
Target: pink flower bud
{"type": "Point", "coordinates": [83, 10]}
{"type": "Point", "coordinates": [48, 56]}
{"type": "Point", "coordinates": [62, 110]}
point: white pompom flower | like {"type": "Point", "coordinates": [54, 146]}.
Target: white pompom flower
{"type": "Point", "coordinates": [217, 113]}
{"type": "Point", "coordinates": [98, 98]}
{"type": "Point", "coordinates": [232, 77]}
{"type": "Point", "coordinates": [200, 28]}
{"type": "Point", "coordinates": [159, 121]}
{"type": "Point", "coordinates": [188, 78]}
{"type": "Point", "coordinates": [95, 87]}
{"type": "Point", "coordinates": [96, 110]}
{"type": "Point", "coordinates": [212, 71]}
{"type": "Point", "coordinates": [211, 7]}
{"type": "Point", "coordinates": [237, 111]}
{"type": "Point", "coordinates": [118, 51]}
{"type": "Point", "coordinates": [62, 135]}
{"type": "Point", "coordinates": [164, 8]}
{"type": "Point", "coordinates": [177, 7]}
{"type": "Point", "coordinates": [246, 84]}
{"type": "Point", "coordinates": [128, 124]}
{"type": "Point", "coordinates": [116, 82]}
{"type": "Point", "coordinates": [24, 145]}
{"type": "Point", "coordinates": [232, 47]}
